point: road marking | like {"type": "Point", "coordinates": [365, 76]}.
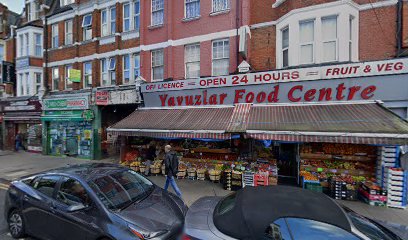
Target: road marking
{"type": "Point", "coordinates": [4, 186]}
{"type": "Point", "coordinates": [16, 174]}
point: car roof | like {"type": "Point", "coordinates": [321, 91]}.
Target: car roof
{"type": "Point", "coordinates": [87, 171]}
{"type": "Point", "coordinates": [256, 208]}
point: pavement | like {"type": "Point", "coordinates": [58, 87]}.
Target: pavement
{"type": "Point", "coordinates": [14, 165]}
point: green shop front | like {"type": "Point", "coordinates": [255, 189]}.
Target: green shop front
{"type": "Point", "coordinates": [69, 127]}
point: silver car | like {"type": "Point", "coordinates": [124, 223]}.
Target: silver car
{"type": "Point", "coordinates": [279, 212]}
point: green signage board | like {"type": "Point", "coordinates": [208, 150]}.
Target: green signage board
{"type": "Point", "coordinates": [74, 75]}
{"type": "Point", "coordinates": [75, 115]}
{"type": "Point", "coordinates": [66, 103]}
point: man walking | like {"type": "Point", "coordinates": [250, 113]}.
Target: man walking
{"type": "Point", "coordinates": [18, 141]}
{"type": "Point", "coordinates": [171, 169]}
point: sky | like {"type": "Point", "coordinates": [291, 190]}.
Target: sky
{"type": "Point", "coordinates": [14, 5]}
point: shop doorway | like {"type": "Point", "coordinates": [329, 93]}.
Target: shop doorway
{"type": "Point", "coordinates": [287, 162]}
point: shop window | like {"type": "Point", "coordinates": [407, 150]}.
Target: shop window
{"type": "Point", "coordinates": [55, 78]}
{"type": "Point", "coordinates": [220, 5]}
{"type": "Point", "coordinates": [157, 12]}
{"type": "Point", "coordinates": [68, 82]}
{"type": "Point", "coordinates": [87, 27]}
{"type": "Point", "coordinates": [302, 40]}
{"type": "Point", "coordinates": [220, 57]}
{"type": "Point", "coordinates": [54, 33]}
{"type": "Point", "coordinates": [108, 21]}
{"type": "Point", "coordinates": [192, 61]}
{"type": "Point", "coordinates": [87, 75]}
{"type": "Point", "coordinates": [38, 82]}
{"type": "Point", "coordinates": [192, 9]}
{"type": "Point", "coordinates": [38, 45]}
{"type": "Point", "coordinates": [68, 32]}
{"type": "Point", "coordinates": [157, 65]}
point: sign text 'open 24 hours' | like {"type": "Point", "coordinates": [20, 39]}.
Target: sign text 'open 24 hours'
{"type": "Point", "coordinates": [349, 82]}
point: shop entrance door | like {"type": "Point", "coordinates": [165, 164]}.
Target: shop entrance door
{"type": "Point", "coordinates": [287, 164]}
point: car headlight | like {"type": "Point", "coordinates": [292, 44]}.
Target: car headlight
{"type": "Point", "coordinates": [141, 234]}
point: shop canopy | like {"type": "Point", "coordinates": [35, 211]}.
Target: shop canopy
{"type": "Point", "coordinates": [210, 123]}
{"type": "Point", "coordinates": [359, 123]}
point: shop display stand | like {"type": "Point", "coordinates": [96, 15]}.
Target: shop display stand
{"type": "Point", "coordinates": [248, 179]}
{"type": "Point", "coordinates": [397, 184]}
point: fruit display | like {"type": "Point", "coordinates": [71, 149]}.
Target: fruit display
{"type": "Point", "coordinates": [131, 155]}
{"type": "Point", "coordinates": [339, 149]}
{"type": "Point", "coordinates": [308, 176]}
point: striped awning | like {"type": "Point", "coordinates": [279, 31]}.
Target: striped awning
{"type": "Point", "coordinates": [358, 123]}
{"type": "Point", "coordinates": [209, 123]}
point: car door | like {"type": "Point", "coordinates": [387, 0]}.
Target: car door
{"type": "Point", "coordinates": [79, 224]}
{"type": "Point", "coordinates": [37, 209]}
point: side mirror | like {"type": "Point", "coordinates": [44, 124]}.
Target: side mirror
{"type": "Point", "coordinates": [77, 207]}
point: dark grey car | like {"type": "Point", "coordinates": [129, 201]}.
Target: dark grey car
{"type": "Point", "coordinates": [279, 212]}
{"type": "Point", "coordinates": [92, 201]}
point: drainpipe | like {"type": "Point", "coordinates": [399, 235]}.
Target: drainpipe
{"type": "Point", "coordinates": [45, 81]}
{"type": "Point", "coordinates": [237, 18]}
{"type": "Point", "coordinates": [399, 28]}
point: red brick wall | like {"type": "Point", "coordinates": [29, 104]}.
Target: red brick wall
{"type": "Point", "coordinates": [263, 49]}
{"type": "Point", "coordinates": [405, 24]}
{"type": "Point", "coordinates": [10, 50]}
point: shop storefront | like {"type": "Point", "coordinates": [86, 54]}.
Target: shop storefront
{"type": "Point", "coordinates": [321, 128]}
{"type": "Point", "coordinates": [68, 127]}
{"type": "Point", "coordinates": [22, 116]}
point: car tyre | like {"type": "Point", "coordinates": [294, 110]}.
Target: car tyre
{"type": "Point", "coordinates": [16, 224]}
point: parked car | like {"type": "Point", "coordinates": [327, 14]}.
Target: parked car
{"type": "Point", "coordinates": [92, 201]}
{"type": "Point", "coordinates": [278, 212]}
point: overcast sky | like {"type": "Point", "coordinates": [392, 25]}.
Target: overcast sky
{"type": "Point", "coordinates": [14, 5]}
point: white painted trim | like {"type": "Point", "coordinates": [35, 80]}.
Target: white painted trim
{"type": "Point", "coordinates": [331, 134]}
{"type": "Point", "coordinates": [185, 107]}
{"type": "Point", "coordinates": [278, 3]}
{"type": "Point", "coordinates": [179, 42]}
{"type": "Point", "coordinates": [317, 103]}
{"type": "Point", "coordinates": [107, 40]}
{"type": "Point", "coordinates": [130, 35]}
{"type": "Point", "coordinates": [377, 5]}
{"type": "Point", "coordinates": [263, 24]}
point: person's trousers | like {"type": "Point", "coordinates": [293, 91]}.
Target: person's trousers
{"type": "Point", "coordinates": [172, 181]}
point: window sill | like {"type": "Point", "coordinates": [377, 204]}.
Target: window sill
{"type": "Point", "coordinates": [130, 35]}
{"type": "Point", "coordinates": [151, 27]}
{"type": "Point", "coordinates": [226, 11]}
{"type": "Point", "coordinates": [107, 39]}
{"type": "Point", "coordinates": [191, 19]}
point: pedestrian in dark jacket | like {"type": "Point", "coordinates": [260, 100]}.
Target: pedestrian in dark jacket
{"type": "Point", "coordinates": [171, 169]}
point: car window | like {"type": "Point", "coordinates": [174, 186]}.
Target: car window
{"type": "Point", "coordinates": [46, 184]}
{"type": "Point", "coordinates": [118, 190]}
{"type": "Point", "coordinates": [369, 228]}
{"type": "Point", "coordinates": [226, 205]}
{"type": "Point", "coordinates": [278, 231]}
{"type": "Point", "coordinates": [306, 229]}
{"type": "Point", "coordinates": [71, 192]}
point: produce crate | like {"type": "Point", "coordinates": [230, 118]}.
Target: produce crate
{"type": "Point", "coordinates": [155, 170]}
{"type": "Point", "coordinates": [248, 179]}
{"type": "Point", "coordinates": [261, 179]}
{"type": "Point", "coordinates": [315, 187]}
{"type": "Point", "coordinates": [273, 181]}
{"type": "Point", "coordinates": [181, 174]}
{"type": "Point", "coordinates": [201, 174]}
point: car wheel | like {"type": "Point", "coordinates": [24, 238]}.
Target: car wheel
{"type": "Point", "coordinates": [16, 224]}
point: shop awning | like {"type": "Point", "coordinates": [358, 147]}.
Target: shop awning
{"type": "Point", "coordinates": [211, 123]}
{"type": "Point", "coordinates": [359, 123]}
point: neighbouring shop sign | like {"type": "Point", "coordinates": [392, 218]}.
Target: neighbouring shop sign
{"type": "Point", "coordinates": [75, 75]}
{"type": "Point", "coordinates": [123, 97]}
{"type": "Point", "coordinates": [22, 63]}
{"type": "Point", "coordinates": [385, 88]}
{"type": "Point", "coordinates": [73, 115]}
{"type": "Point", "coordinates": [66, 103]}
{"type": "Point", "coordinates": [363, 69]}
{"type": "Point", "coordinates": [88, 115]}
{"type": "Point", "coordinates": [102, 97]}
{"type": "Point", "coordinates": [21, 106]}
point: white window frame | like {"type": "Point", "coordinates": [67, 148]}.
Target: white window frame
{"type": "Point", "coordinates": [157, 10]}
{"type": "Point", "coordinates": [2, 50]}
{"type": "Point", "coordinates": [27, 43]}
{"type": "Point", "coordinates": [69, 36]}
{"type": "Point", "coordinates": [66, 2]}
{"type": "Point", "coordinates": [226, 3]}
{"type": "Point", "coordinates": [311, 43]}
{"type": "Point", "coordinates": [87, 84]}
{"type": "Point", "coordinates": [127, 70]}
{"type": "Point", "coordinates": [86, 28]}
{"type": "Point", "coordinates": [37, 84]}
{"type": "Point", "coordinates": [188, 62]}
{"type": "Point", "coordinates": [188, 2]}
{"type": "Point", "coordinates": [38, 45]}
{"type": "Point", "coordinates": [21, 45]}
{"type": "Point", "coordinates": [343, 10]}
{"type": "Point", "coordinates": [55, 77]}
{"type": "Point", "coordinates": [132, 16]}
{"type": "Point", "coordinates": [29, 12]}
{"type": "Point", "coordinates": [335, 40]}
{"type": "Point", "coordinates": [110, 71]}
{"type": "Point", "coordinates": [67, 81]}
{"type": "Point", "coordinates": [155, 65]}
{"type": "Point", "coordinates": [27, 84]}
{"type": "Point", "coordinates": [285, 48]}
{"type": "Point", "coordinates": [1, 23]}
{"type": "Point", "coordinates": [20, 89]}
{"type": "Point", "coordinates": [106, 27]}
{"type": "Point", "coordinates": [134, 67]}
{"type": "Point", "coordinates": [222, 58]}
{"type": "Point", "coordinates": [54, 36]}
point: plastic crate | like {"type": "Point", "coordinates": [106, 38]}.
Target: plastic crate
{"type": "Point", "coordinates": [316, 187]}
{"type": "Point", "coordinates": [261, 179]}
{"type": "Point", "coordinates": [248, 179]}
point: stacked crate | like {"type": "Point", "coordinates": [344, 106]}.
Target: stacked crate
{"type": "Point", "coordinates": [397, 185]}
{"type": "Point", "coordinates": [248, 179]}
{"type": "Point", "coordinates": [338, 189]}
{"type": "Point", "coordinates": [387, 157]}
{"type": "Point", "coordinates": [227, 179]}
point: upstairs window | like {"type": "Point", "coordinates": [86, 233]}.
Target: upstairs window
{"type": "Point", "coordinates": [68, 82]}
{"type": "Point", "coordinates": [38, 45]}
{"type": "Point", "coordinates": [1, 53]}
{"type": "Point", "coordinates": [21, 45]}
{"type": "Point", "coordinates": [108, 21]}
{"type": "Point", "coordinates": [1, 24]}
{"type": "Point", "coordinates": [306, 34]}
{"type": "Point", "coordinates": [27, 44]}
{"type": "Point", "coordinates": [285, 47]}
{"type": "Point", "coordinates": [87, 27]}
{"type": "Point", "coordinates": [157, 12]}
{"type": "Point", "coordinates": [329, 37]}
{"type": "Point", "coordinates": [192, 61]}
{"type": "Point", "coordinates": [66, 2]}
{"type": "Point", "coordinates": [33, 10]}
{"type": "Point", "coordinates": [38, 82]}
{"type": "Point", "coordinates": [68, 32]}
{"type": "Point", "coordinates": [87, 75]}
{"type": "Point", "coordinates": [54, 34]}
{"type": "Point", "coordinates": [108, 70]}
{"type": "Point", "coordinates": [220, 5]}
{"type": "Point", "coordinates": [220, 57]}
{"type": "Point", "coordinates": [55, 78]}
{"type": "Point", "coordinates": [192, 9]}
{"type": "Point", "coordinates": [158, 65]}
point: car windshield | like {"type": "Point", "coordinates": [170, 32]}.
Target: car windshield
{"type": "Point", "coordinates": [226, 205]}
{"type": "Point", "coordinates": [120, 189]}
{"type": "Point", "coordinates": [370, 228]}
